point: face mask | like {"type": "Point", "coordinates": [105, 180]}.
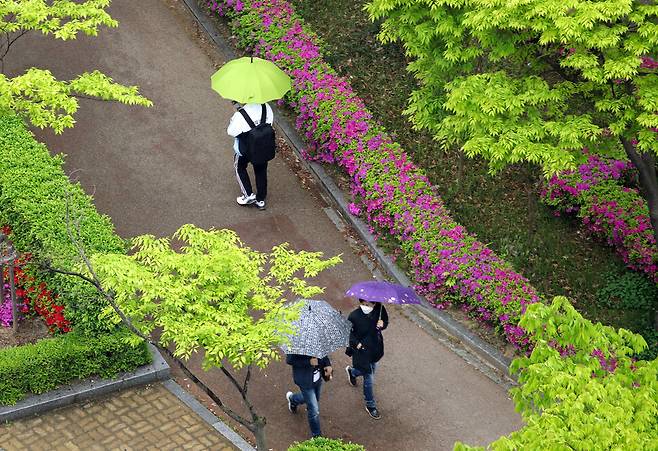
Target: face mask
{"type": "Point", "coordinates": [366, 309]}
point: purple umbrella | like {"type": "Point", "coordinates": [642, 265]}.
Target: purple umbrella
{"type": "Point", "coordinates": [384, 292]}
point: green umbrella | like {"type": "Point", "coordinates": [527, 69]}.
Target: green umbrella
{"type": "Point", "coordinates": [250, 80]}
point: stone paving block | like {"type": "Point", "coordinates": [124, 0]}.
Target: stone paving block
{"type": "Point", "coordinates": [136, 419]}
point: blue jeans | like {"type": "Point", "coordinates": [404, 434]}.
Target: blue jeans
{"type": "Point", "coordinates": [368, 384]}
{"type": "Point", "coordinates": [310, 397]}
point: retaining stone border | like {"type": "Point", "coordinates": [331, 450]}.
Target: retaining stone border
{"type": "Point", "coordinates": [207, 416]}
{"type": "Point", "coordinates": [441, 319]}
{"type": "Point", "coordinates": [90, 388]}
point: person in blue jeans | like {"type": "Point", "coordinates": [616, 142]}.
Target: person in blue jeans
{"type": "Point", "coordinates": [308, 373]}
{"type": "Point", "coordinates": [366, 349]}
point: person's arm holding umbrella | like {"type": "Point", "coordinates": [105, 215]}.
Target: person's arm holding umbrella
{"type": "Point", "coordinates": [382, 322]}
{"type": "Point", "coordinates": [325, 364]}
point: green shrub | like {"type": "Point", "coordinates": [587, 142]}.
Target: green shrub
{"type": "Point", "coordinates": [325, 444]}
{"type": "Point", "coordinates": [34, 191]}
{"type": "Point", "coordinates": [633, 292]}
{"type": "Point", "coordinates": [628, 291]}
{"type": "Point", "coordinates": [49, 363]}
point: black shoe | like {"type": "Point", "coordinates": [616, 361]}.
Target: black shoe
{"type": "Point", "coordinates": [350, 378]}
{"type": "Point", "coordinates": [373, 412]}
{"type": "Point", "coordinates": [292, 407]}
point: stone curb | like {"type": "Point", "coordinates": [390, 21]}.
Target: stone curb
{"type": "Point", "coordinates": [441, 319]}
{"type": "Point", "coordinates": [158, 370]}
{"type": "Point", "coordinates": [208, 416]}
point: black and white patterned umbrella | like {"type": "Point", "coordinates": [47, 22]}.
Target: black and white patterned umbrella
{"type": "Point", "coordinates": [321, 330]}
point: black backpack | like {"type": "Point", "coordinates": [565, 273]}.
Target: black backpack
{"type": "Point", "coordinates": [258, 144]}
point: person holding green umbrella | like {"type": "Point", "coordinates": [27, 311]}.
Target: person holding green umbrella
{"type": "Point", "coordinates": [253, 82]}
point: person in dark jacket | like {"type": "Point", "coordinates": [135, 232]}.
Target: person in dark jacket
{"type": "Point", "coordinates": [308, 373]}
{"type": "Point", "coordinates": [366, 348]}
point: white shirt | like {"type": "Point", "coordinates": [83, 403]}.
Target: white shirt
{"type": "Point", "coordinates": [238, 125]}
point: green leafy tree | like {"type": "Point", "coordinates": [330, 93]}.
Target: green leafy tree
{"type": "Point", "coordinates": [213, 295]}
{"type": "Point", "coordinates": [534, 80]}
{"type": "Point", "coordinates": [581, 388]}
{"type": "Point", "coordinates": [37, 95]}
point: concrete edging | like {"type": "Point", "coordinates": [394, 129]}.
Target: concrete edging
{"type": "Point", "coordinates": [157, 370]}
{"type": "Point", "coordinates": [443, 320]}
{"type": "Point", "coordinates": [207, 416]}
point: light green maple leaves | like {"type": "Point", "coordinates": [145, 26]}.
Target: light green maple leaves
{"type": "Point", "coordinates": [37, 95]}
{"type": "Point", "coordinates": [213, 294]}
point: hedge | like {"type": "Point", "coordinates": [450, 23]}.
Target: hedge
{"type": "Point", "coordinates": [33, 200]}
{"type": "Point", "coordinates": [34, 192]}
{"type": "Point", "coordinates": [51, 362]}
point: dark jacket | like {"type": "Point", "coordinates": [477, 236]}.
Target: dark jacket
{"type": "Point", "coordinates": [364, 331]}
{"type": "Point", "coordinates": [302, 371]}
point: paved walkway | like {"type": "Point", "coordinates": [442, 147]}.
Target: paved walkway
{"type": "Point", "coordinates": [146, 418]}
{"type": "Point", "coordinates": [152, 170]}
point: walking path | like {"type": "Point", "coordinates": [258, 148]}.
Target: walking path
{"type": "Point", "coordinates": [140, 419]}
{"type": "Point", "coordinates": [152, 170]}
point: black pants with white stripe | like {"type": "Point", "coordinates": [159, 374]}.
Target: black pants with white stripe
{"type": "Point", "coordinates": [260, 171]}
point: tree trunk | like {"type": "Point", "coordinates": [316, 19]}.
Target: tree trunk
{"type": "Point", "coordinates": [531, 192]}
{"type": "Point", "coordinates": [646, 167]}
{"type": "Point", "coordinates": [460, 170]}
{"type": "Point", "coordinates": [259, 432]}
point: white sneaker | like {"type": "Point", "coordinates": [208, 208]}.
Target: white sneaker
{"type": "Point", "coordinates": [260, 204]}
{"type": "Point", "coordinates": [246, 200]}
{"type": "Point", "coordinates": [292, 407]}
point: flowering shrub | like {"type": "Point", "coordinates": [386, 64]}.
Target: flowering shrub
{"type": "Point", "coordinates": [36, 295]}
{"type": "Point", "coordinates": [609, 210]}
{"type": "Point", "coordinates": [30, 293]}
{"type": "Point", "coordinates": [5, 309]}
{"type": "Point", "coordinates": [389, 191]}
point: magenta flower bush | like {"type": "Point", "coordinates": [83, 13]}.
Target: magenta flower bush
{"type": "Point", "coordinates": [389, 192]}
{"type": "Point", "coordinates": [609, 210]}
{"type": "Point", "coordinates": [6, 317]}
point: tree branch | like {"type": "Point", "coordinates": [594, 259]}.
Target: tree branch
{"type": "Point", "coordinates": [9, 43]}
{"type": "Point", "coordinates": [79, 96]}
{"type": "Point", "coordinates": [208, 391]}
{"type": "Point", "coordinates": [46, 266]}
{"type": "Point", "coordinates": [245, 387]}
{"type": "Point", "coordinates": [561, 72]}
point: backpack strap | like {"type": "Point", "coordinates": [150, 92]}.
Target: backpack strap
{"type": "Point", "coordinates": [247, 118]}
{"type": "Point", "coordinates": [263, 114]}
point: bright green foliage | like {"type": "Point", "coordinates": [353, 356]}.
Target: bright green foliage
{"type": "Point", "coordinates": [34, 196]}
{"type": "Point", "coordinates": [48, 102]}
{"type": "Point", "coordinates": [63, 19]}
{"type": "Point", "coordinates": [580, 388]}
{"type": "Point", "coordinates": [214, 294]}
{"type": "Point", "coordinates": [37, 95]}
{"type": "Point", "coordinates": [529, 80]}
{"type": "Point", "coordinates": [45, 365]}
{"type": "Point", "coordinates": [325, 444]}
